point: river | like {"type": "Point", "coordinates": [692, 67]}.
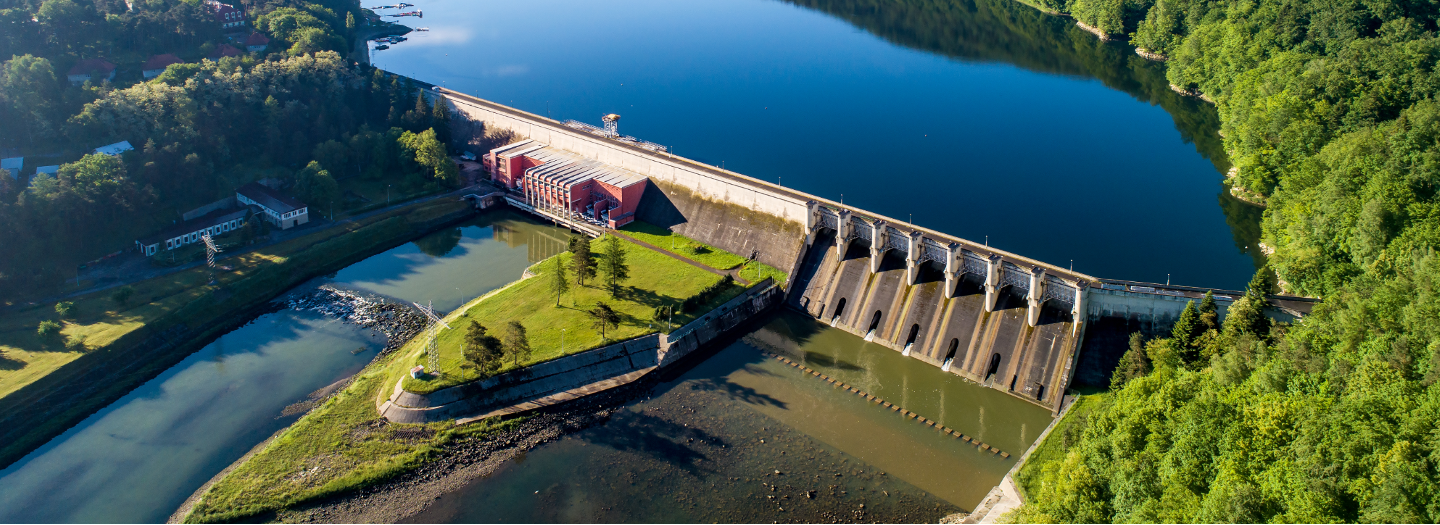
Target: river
{"type": "Point", "coordinates": [984, 119]}
{"type": "Point", "coordinates": [136, 460]}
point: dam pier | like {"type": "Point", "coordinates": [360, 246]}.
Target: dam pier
{"type": "Point", "coordinates": [1004, 320]}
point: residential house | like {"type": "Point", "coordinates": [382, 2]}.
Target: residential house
{"type": "Point", "coordinates": [13, 165]}
{"type": "Point", "coordinates": [52, 170]}
{"type": "Point", "coordinates": [256, 43]}
{"type": "Point", "coordinates": [222, 51]}
{"type": "Point", "coordinates": [157, 64]}
{"type": "Point", "coordinates": [277, 208]}
{"type": "Point", "coordinates": [115, 149]}
{"type": "Point", "coordinates": [193, 231]}
{"type": "Point", "coordinates": [91, 68]}
{"type": "Point", "coordinates": [227, 15]}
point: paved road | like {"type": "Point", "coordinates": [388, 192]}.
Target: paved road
{"type": "Point", "coordinates": [133, 267]}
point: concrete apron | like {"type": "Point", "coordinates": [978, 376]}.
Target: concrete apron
{"type": "Point", "coordinates": [578, 375]}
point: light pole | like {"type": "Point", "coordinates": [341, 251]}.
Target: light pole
{"type": "Point", "coordinates": [387, 194]}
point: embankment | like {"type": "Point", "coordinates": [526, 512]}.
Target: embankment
{"type": "Point", "coordinates": [38, 412]}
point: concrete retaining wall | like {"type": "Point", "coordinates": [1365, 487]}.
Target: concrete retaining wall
{"type": "Point", "coordinates": [630, 359]}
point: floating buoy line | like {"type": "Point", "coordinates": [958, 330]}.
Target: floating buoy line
{"type": "Point", "coordinates": [984, 447]}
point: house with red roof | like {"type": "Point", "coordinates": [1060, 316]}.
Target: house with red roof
{"type": "Point", "coordinates": [256, 43]}
{"type": "Point", "coordinates": [224, 50]}
{"type": "Point", "coordinates": [157, 64]}
{"type": "Point", "coordinates": [227, 15]}
{"type": "Point", "coordinates": [89, 68]}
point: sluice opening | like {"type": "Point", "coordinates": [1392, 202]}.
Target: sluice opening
{"type": "Point", "coordinates": [950, 354]}
{"type": "Point", "coordinates": [1040, 393]}
{"type": "Point", "coordinates": [993, 368]}
{"type": "Point", "coordinates": [839, 309]}
{"type": "Point", "coordinates": [1013, 379]}
{"type": "Point", "coordinates": [874, 323]}
{"type": "Point", "coordinates": [910, 340]}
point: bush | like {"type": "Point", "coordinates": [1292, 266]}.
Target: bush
{"type": "Point", "coordinates": [64, 308]}
{"type": "Point", "coordinates": [48, 329]}
{"type": "Point", "coordinates": [704, 296]}
{"type": "Point", "coordinates": [122, 295]}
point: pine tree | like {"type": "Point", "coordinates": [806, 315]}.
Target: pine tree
{"type": "Point", "coordinates": [558, 283]}
{"type": "Point", "coordinates": [1134, 364]}
{"type": "Point", "coordinates": [1209, 312]}
{"type": "Point", "coordinates": [440, 120]}
{"type": "Point", "coordinates": [613, 265]}
{"type": "Point", "coordinates": [581, 262]}
{"type": "Point", "coordinates": [604, 317]}
{"type": "Point", "coordinates": [482, 350]}
{"type": "Point", "coordinates": [517, 342]}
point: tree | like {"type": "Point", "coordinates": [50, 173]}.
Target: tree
{"type": "Point", "coordinates": [122, 295]}
{"type": "Point", "coordinates": [482, 350]}
{"type": "Point", "coordinates": [517, 342]}
{"type": "Point", "coordinates": [581, 262]}
{"type": "Point", "coordinates": [558, 283]}
{"type": "Point", "coordinates": [64, 309]}
{"type": "Point", "coordinates": [604, 317]}
{"type": "Point", "coordinates": [613, 265]}
{"type": "Point", "coordinates": [428, 152]}
{"type": "Point", "coordinates": [48, 330]}
{"type": "Point", "coordinates": [1134, 364]}
{"type": "Point", "coordinates": [316, 187]}
{"type": "Point", "coordinates": [1209, 312]}
{"type": "Point", "coordinates": [1186, 331]}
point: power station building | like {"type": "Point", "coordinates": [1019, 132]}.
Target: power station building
{"type": "Point", "coordinates": [566, 184]}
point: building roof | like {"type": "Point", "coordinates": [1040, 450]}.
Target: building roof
{"type": "Point", "coordinates": [510, 147]}
{"type": "Point", "coordinates": [566, 168]}
{"type": "Point", "coordinates": [256, 39]}
{"type": "Point", "coordinates": [274, 200]}
{"type": "Point", "coordinates": [224, 50]}
{"type": "Point", "coordinates": [161, 62]}
{"type": "Point", "coordinates": [14, 164]}
{"type": "Point", "coordinates": [90, 66]}
{"type": "Point", "coordinates": [116, 148]}
{"type": "Point", "coordinates": [199, 223]}
{"type": "Point", "coordinates": [51, 169]}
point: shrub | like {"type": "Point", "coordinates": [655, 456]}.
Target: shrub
{"type": "Point", "coordinates": [704, 296]}
{"type": "Point", "coordinates": [64, 308]}
{"type": "Point", "coordinates": [48, 329]}
{"type": "Point", "coordinates": [122, 295]}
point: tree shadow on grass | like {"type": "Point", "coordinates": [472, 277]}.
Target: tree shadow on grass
{"type": "Point", "coordinates": [9, 363]}
{"type": "Point", "coordinates": [644, 297]}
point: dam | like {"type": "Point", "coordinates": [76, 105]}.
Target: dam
{"type": "Point", "coordinates": [1012, 323]}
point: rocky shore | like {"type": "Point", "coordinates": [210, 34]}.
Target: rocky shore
{"type": "Point", "coordinates": [397, 321]}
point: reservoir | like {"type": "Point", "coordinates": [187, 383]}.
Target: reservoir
{"type": "Point", "coordinates": [984, 119]}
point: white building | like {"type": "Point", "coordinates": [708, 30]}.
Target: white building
{"type": "Point", "coordinates": [115, 149]}
{"type": "Point", "coordinates": [277, 208]}
{"type": "Point", "coordinates": [190, 232]}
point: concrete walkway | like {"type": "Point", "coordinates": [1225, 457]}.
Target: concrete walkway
{"type": "Point", "coordinates": [733, 272]}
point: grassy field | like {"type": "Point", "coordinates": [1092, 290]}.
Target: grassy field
{"type": "Point", "coordinates": [36, 374]}
{"type": "Point", "coordinates": [338, 446]}
{"type": "Point", "coordinates": [683, 246]}
{"type": "Point", "coordinates": [1066, 432]}
{"type": "Point", "coordinates": [666, 240]}
{"type": "Point", "coordinates": [655, 280]}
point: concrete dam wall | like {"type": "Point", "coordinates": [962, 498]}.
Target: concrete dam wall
{"type": "Point", "coordinates": [1011, 322]}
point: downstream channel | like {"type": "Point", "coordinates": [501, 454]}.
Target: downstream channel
{"type": "Point", "coordinates": [982, 118]}
{"type": "Point", "coordinates": [136, 460]}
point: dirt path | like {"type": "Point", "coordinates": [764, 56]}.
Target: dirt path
{"type": "Point", "coordinates": [733, 272]}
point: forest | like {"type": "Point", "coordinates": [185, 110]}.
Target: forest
{"type": "Point", "coordinates": [1328, 112]}
{"type": "Point", "coordinates": [303, 115]}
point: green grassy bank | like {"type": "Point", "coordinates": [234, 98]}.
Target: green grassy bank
{"type": "Point", "coordinates": [106, 348]}
{"type": "Point", "coordinates": [341, 446]}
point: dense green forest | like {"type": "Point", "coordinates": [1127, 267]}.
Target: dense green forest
{"type": "Point", "coordinates": [1328, 110]}
{"type": "Point", "coordinates": [302, 114]}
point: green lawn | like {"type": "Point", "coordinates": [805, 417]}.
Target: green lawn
{"type": "Point", "coordinates": [655, 280]}
{"type": "Point", "coordinates": [334, 448]}
{"type": "Point", "coordinates": [683, 246]}
{"type": "Point", "coordinates": [1067, 431]}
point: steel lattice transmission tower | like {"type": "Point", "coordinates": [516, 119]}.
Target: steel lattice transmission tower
{"type": "Point", "coordinates": [432, 346]}
{"type": "Point", "coordinates": [612, 125]}
{"type": "Point", "coordinates": [210, 249]}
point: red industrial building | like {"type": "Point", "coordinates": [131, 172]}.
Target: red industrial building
{"type": "Point", "coordinates": [564, 183]}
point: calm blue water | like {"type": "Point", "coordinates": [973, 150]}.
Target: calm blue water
{"type": "Point", "coordinates": [1071, 154]}
{"type": "Point", "coordinates": [138, 459]}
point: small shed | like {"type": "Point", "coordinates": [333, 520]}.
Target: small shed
{"type": "Point", "coordinates": [91, 68]}
{"type": "Point", "coordinates": [115, 149]}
